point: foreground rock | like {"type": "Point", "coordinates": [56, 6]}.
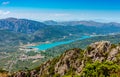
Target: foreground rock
{"type": "Point", "coordinates": [98, 60]}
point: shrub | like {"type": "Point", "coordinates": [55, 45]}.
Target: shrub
{"type": "Point", "coordinates": [98, 69]}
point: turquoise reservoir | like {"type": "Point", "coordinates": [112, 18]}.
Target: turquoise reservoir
{"type": "Point", "coordinates": [50, 45]}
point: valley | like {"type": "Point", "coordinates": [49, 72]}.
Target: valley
{"type": "Point", "coordinates": [59, 38]}
{"type": "Point", "coordinates": [18, 32]}
{"type": "Point", "coordinates": [29, 59]}
{"type": "Point", "coordinates": [27, 43]}
{"type": "Point", "coordinates": [98, 58]}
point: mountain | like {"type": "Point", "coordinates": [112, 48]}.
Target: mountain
{"type": "Point", "coordinates": [51, 22]}
{"type": "Point", "coordinates": [19, 32]}
{"type": "Point", "coordinates": [86, 23]}
{"type": "Point", "coordinates": [101, 59]}
{"type": "Point", "coordinates": [15, 31]}
{"type": "Point", "coordinates": [30, 27]}
{"type": "Point", "coordinates": [21, 25]}
{"type": "Point", "coordinates": [9, 40]}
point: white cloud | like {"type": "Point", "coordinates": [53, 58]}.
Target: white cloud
{"type": "Point", "coordinates": [5, 3]}
{"type": "Point", "coordinates": [4, 12]}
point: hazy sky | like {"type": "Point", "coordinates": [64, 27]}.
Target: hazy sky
{"type": "Point", "coordinates": [62, 10]}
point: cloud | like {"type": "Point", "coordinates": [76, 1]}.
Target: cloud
{"type": "Point", "coordinates": [4, 12]}
{"type": "Point", "coordinates": [5, 3]}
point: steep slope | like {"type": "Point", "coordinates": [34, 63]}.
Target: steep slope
{"type": "Point", "coordinates": [21, 25]}
{"type": "Point", "coordinates": [15, 31]}
{"type": "Point", "coordinates": [9, 41]}
{"type": "Point", "coordinates": [99, 59]}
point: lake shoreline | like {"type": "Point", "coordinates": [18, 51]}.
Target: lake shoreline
{"type": "Point", "coordinates": [47, 45]}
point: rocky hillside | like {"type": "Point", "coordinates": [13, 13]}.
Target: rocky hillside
{"type": "Point", "coordinates": [100, 59]}
{"type": "Point", "coordinates": [20, 25]}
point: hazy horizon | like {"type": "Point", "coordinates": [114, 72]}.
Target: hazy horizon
{"type": "Point", "coordinates": [63, 20]}
{"type": "Point", "coordinates": [63, 10]}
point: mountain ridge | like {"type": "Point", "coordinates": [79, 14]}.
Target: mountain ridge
{"type": "Point", "coordinates": [35, 31]}
{"type": "Point", "coordinates": [73, 23]}
{"type": "Point", "coordinates": [20, 25]}
{"type": "Point", "coordinates": [74, 62]}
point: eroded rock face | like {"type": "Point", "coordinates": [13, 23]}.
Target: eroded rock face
{"type": "Point", "coordinates": [101, 51]}
{"type": "Point", "coordinates": [114, 54]}
{"type": "Point", "coordinates": [20, 74]}
{"type": "Point", "coordinates": [69, 60]}
{"type": "Point", "coordinates": [76, 60]}
{"type": "Point", "coordinates": [3, 74]}
{"type": "Point", "coordinates": [98, 50]}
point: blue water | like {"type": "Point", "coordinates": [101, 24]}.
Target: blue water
{"type": "Point", "coordinates": [50, 45]}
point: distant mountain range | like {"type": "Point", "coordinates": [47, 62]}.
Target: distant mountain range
{"type": "Point", "coordinates": [86, 23]}
{"type": "Point", "coordinates": [30, 26]}
{"type": "Point", "coordinates": [15, 31]}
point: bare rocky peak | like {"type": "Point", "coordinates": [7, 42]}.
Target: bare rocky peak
{"type": "Point", "coordinates": [98, 50]}
{"type": "Point", "coordinates": [101, 51]}
{"type": "Point", "coordinates": [68, 60]}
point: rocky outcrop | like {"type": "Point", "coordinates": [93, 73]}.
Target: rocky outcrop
{"type": "Point", "coordinates": [98, 50]}
{"type": "Point", "coordinates": [101, 51]}
{"type": "Point", "coordinates": [69, 60]}
{"type": "Point", "coordinates": [75, 60]}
